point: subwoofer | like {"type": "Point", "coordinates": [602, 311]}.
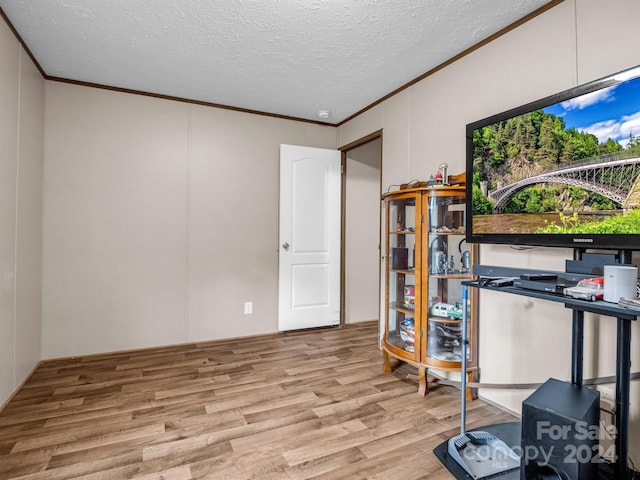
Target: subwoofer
{"type": "Point", "coordinates": [560, 432]}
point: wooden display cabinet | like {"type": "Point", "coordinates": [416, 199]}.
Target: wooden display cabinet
{"type": "Point", "coordinates": [427, 259]}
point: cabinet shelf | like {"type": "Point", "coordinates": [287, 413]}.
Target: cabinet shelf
{"type": "Point", "coordinates": [401, 345]}
{"type": "Point", "coordinates": [405, 272]}
{"type": "Point", "coordinates": [455, 276]}
{"type": "Point", "coordinates": [403, 309]}
{"type": "Point", "coordinates": [425, 268]}
{"type": "Point", "coordinates": [444, 320]}
{"type": "Point", "coordinates": [453, 232]}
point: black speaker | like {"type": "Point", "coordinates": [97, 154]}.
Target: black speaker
{"type": "Point", "coordinates": [560, 431]}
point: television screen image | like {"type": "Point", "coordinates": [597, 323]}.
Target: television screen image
{"type": "Point", "coordinates": [561, 171]}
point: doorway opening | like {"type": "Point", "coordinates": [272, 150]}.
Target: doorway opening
{"type": "Point", "coordinates": [361, 229]}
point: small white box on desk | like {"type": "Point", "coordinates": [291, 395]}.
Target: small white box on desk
{"type": "Point", "coordinates": [620, 281]}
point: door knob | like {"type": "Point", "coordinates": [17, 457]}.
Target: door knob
{"type": "Point", "coordinates": [285, 246]}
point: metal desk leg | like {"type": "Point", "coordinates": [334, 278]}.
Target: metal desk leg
{"type": "Point", "coordinates": [623, 378]}
{"type": "Point", "coordinates": [577, 347]}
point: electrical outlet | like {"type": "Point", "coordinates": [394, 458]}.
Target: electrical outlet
{"type": "Point", "coordinates": [607, 398]}
{"type": "Point", "coordinates": [607, 420]}
{"type": "Point", "coordinates": [607, 393]}
{"type": "Point", "coordinates": [248, 308]}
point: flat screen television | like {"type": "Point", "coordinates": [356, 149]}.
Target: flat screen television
{"type": "Point", "coordinates": [561, 171]}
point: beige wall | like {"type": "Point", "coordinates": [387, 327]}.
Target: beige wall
{"type": "Point", "coordinates": [161, 220]}
{"type": "Point", "coordinates": [521, 340]}
{"type": "Point", "coordinates": [21, 134]}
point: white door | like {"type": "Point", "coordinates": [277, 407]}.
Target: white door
{"type": "Point", "coordinates": [309, 286]}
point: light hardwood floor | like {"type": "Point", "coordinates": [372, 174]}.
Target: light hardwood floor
{"type": "Point", "coordinates": [294, 406]}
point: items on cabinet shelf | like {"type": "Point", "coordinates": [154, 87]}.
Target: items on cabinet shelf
{"type": "Point", "coordinates": [427, 259]}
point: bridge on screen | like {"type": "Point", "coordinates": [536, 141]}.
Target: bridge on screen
{"type": "Point", "coordinates": [611, 175]}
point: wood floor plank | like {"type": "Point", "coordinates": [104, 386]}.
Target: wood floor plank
{"type": "Point", "coordinates": [337, 462]}
{"type": "Point", "coordinates": [305, 405]}
{"type": "Point", "coordinates": [277, 439]}
{"type": "Point", "coordinates": [81, 440]}
{"type": "Point", "coordinates": [178, 473]}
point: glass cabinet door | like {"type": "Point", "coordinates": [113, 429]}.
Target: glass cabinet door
{"type": "Point", "coordinates": [449, 263]}
{"type": "Point", "coordinates": [402, 218]}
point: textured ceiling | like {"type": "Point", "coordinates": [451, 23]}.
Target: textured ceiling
{"type": "Point", "coordinates": [284, 57]}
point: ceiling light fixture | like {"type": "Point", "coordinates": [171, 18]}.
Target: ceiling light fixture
{"type": "Point", "coordinates": [324, 113]}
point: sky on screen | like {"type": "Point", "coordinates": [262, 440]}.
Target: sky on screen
{"type": "Point", "coordinates": [612, 112]}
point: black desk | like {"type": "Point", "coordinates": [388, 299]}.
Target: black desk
{"type": "Point", "coordinates": [623, 355]}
